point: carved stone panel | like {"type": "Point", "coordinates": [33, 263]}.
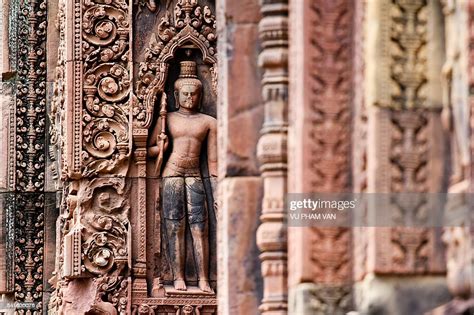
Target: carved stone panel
{"type": "Point", "coordinates": [404, 138]}
{"type": "Point", "coordinates": [320, 259]}
{"type": "Point", "coordinates": [173, 200]}
{"type": "Point", "coordinates": [91, 148]}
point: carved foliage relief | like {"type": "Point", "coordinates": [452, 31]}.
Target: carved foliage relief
{"type": "Point", "coordinates": [406, 138]}
{"type": "Point", "coordinates": [90, 110]}
{"type": "Point", "coordinates": [106, 90]}
{"type": "Point", "coordinates": [331, 88]}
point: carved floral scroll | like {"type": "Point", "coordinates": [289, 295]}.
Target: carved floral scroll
{"type": "Point", "coordinates": [90, 110]}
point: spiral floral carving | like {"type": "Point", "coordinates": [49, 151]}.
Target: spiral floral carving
{"type": "Point", "coordinates": [105, 44]}
{"type": "Point", "coordinates": [107, 246]}
{"type": "Point", "coordinates": [105, 143]}
{"type": "Point", "coordinates": [99, 257]}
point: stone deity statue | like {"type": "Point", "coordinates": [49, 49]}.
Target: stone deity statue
{"type": "Point", "coordinates": [183, 195]}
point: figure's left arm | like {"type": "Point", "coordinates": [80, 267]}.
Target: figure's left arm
{"type": "Point", "coordinates": [212, 148]}
{"type": "Point", "coordinates": [212, 160]}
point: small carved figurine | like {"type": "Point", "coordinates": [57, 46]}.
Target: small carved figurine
{"type": "Point", "coordinates": [183, 195]}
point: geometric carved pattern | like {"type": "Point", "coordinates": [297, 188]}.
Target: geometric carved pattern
{"type": "Point", "coordinates": [408, 48]}
{"type": "Point", "coordinates": [330, 90]}
{"type": "Point", "coordinates": [409, 144]}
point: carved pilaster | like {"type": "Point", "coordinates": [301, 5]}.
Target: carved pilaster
{"type": "Point", "coordinates": [30, 163]}
{"type": "Point", "coordinates": [403, 110]}
{"type": "Point", "coordinates": [272, 153]}
{"type": "Point", "coordinates": [90, 116]}
{"type": "Point", "coordinates": [139, 245]}
{"type": "Point", "coordinates": [319, 146]}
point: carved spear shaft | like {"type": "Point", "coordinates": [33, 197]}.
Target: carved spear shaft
{"type": "Point", "coordinates": [161, 138]}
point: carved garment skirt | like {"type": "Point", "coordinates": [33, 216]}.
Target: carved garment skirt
{"type": "Point", "coordinates": [184, 196]}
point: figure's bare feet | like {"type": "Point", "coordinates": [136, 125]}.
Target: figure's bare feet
{"type": "Point", "coordinates": [204, 286]}
{"type": "Point", "coordinates": [179, 284]}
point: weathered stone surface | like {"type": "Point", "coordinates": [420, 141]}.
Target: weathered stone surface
{"type": "Point", "coordinates": [316, 298]}
{"type": "Point", "coordinates": [240, 12]}
{"type": "Point", "coordinates": [240, 108]}
{"type": "Point", "coordinates": [52, 43]}
{"type": "Point", "coordinates": [4, 39]}
{"type": "Point", "coordinates": [239, 280]}
{"type": "Point", "coordinates": [6, 145]}
{"type": "Point", "coordinates": [389, 295]}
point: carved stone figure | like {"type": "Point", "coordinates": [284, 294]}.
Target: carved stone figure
{"type": "Point", "coordinates": [183, 195]}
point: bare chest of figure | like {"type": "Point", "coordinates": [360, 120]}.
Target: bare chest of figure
{"type": "Point", "coordinates": [187, 134]}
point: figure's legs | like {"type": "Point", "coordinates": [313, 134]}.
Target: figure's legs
{"type": "Point", "coordinates": [175, 226]}
{"type": "Point", "coordinates": [175, 230]}
{"type": "Point", "coordinates": [198, 221]}
{"type": "Point", "coordinates": [199, 232]}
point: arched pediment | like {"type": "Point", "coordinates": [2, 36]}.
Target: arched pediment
{"type": "Point", "coordinates": [191, 27]}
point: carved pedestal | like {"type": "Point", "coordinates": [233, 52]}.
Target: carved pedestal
{"type": "Point", "coordinates": [167, 300]}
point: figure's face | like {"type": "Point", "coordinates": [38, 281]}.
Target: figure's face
{"type": "Point", "coordinates": [188, 96]}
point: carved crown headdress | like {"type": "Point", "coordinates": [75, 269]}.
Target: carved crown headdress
{"type": "Point", "coordinates": [187, 75]}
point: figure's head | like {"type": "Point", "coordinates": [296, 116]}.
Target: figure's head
{"type": "Point", "coordinates": [188, 88]}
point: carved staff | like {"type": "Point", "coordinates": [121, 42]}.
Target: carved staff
{"type": "Point", "coordinates": [161, 139]}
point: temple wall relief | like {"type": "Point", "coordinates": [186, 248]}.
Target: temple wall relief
{"type": "Point", "coordinates": [134, 112]}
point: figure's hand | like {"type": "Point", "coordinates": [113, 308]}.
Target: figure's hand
{"type": "Point", "coordinates": [162, 137]}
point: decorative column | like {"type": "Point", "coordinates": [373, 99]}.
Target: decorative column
{"type": "Point", "coordinates": [272, 154]}
{"type": "Point", "coordinates": [319, 150]}
{"type": "Point", "coordinates": [7, 152]}
{"type": "Point", "coordinates": [139, 245]}
{"type": "Point", "coordinates": [30, 155]}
